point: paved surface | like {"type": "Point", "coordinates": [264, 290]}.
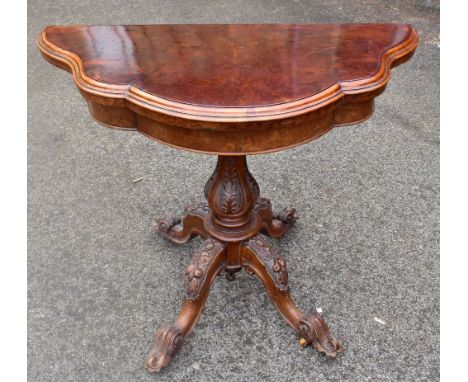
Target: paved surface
{"type": "Point", "coordinates": [366, 244]}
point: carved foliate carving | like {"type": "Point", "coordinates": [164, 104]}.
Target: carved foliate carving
{"type": "Point", "coordinates": [168, 340]}
{"type": "Point", "coordinates": [196, 272]}
{"type": "Point", "coordinates": [317, 333]}
{"type": "Point", "coordinates": [229, 196]}
{"type": "Point", "coordinates": [273, 263]}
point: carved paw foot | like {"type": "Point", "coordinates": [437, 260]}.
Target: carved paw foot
{"type": "Point", "coordinates": [167, 342]}
{"type": "Point", "coordinates": [287, 215]}
{"type": "Point", "coordinates": [317, 333]}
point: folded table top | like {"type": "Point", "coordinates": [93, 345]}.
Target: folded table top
{"type": "Point", "coordinates": [230, 78]}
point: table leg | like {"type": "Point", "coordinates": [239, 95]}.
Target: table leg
{"type": "Point", "coordinates": [206, 264]}
{"type": "Point", "coordinates": [276, 222]}
{"type": "Point", "coordinates": [259, 258]}
{"type": "Point", "coordinates": [180, 230]}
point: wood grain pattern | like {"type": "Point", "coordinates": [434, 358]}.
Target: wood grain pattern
{"type": "Point", "coordinates": [230, 89]}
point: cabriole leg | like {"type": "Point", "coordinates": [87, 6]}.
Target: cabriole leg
{"type": "Point", "coordinates": [259, 258]}
{"type": "Point", "coordinates": [206, 264]}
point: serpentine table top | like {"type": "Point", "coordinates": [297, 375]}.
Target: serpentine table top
{"type": "Point", "coordinates": [230, 89]}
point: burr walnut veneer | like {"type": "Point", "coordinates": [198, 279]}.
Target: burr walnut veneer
{"type": "Point", "coordinates": [231, 90]}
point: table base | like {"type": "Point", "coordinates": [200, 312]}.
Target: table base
{"type": "Point", "coordinates": [230, 223]}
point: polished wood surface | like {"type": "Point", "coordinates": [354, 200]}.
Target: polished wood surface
{"type": "Point", "coordinates": [230, 89]}
{"type": "Point", "coordinates": [229, 65]}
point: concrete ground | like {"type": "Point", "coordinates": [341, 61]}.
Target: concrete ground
{"type": "Point", "coordinates": [366, 244]}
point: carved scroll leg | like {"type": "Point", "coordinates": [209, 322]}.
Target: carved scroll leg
{"type": "Point", "coordinates": [206, 264]}
{"type": "Point", "coordinates": [275, 222]}
{"type": "Point", "coordinates": [259, 258]}
{"type": "Point", "coordinates": [179, 230]}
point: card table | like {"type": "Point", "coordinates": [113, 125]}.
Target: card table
{"type": "Point", "coordinates": [231, 91]}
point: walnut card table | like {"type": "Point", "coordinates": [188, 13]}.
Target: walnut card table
{"type": "Point", "coordinates": [231, 90]}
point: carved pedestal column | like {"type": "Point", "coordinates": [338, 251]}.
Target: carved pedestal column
{"type": "Point", "coordinates": [231, 193]}
{"type": "Point", "coordinates": [230, 223]}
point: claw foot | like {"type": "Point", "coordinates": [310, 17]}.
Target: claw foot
{"type": "Point", "coordinates": [317, 333]}
{"type": "Point", "coordinates": [167, 342]}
